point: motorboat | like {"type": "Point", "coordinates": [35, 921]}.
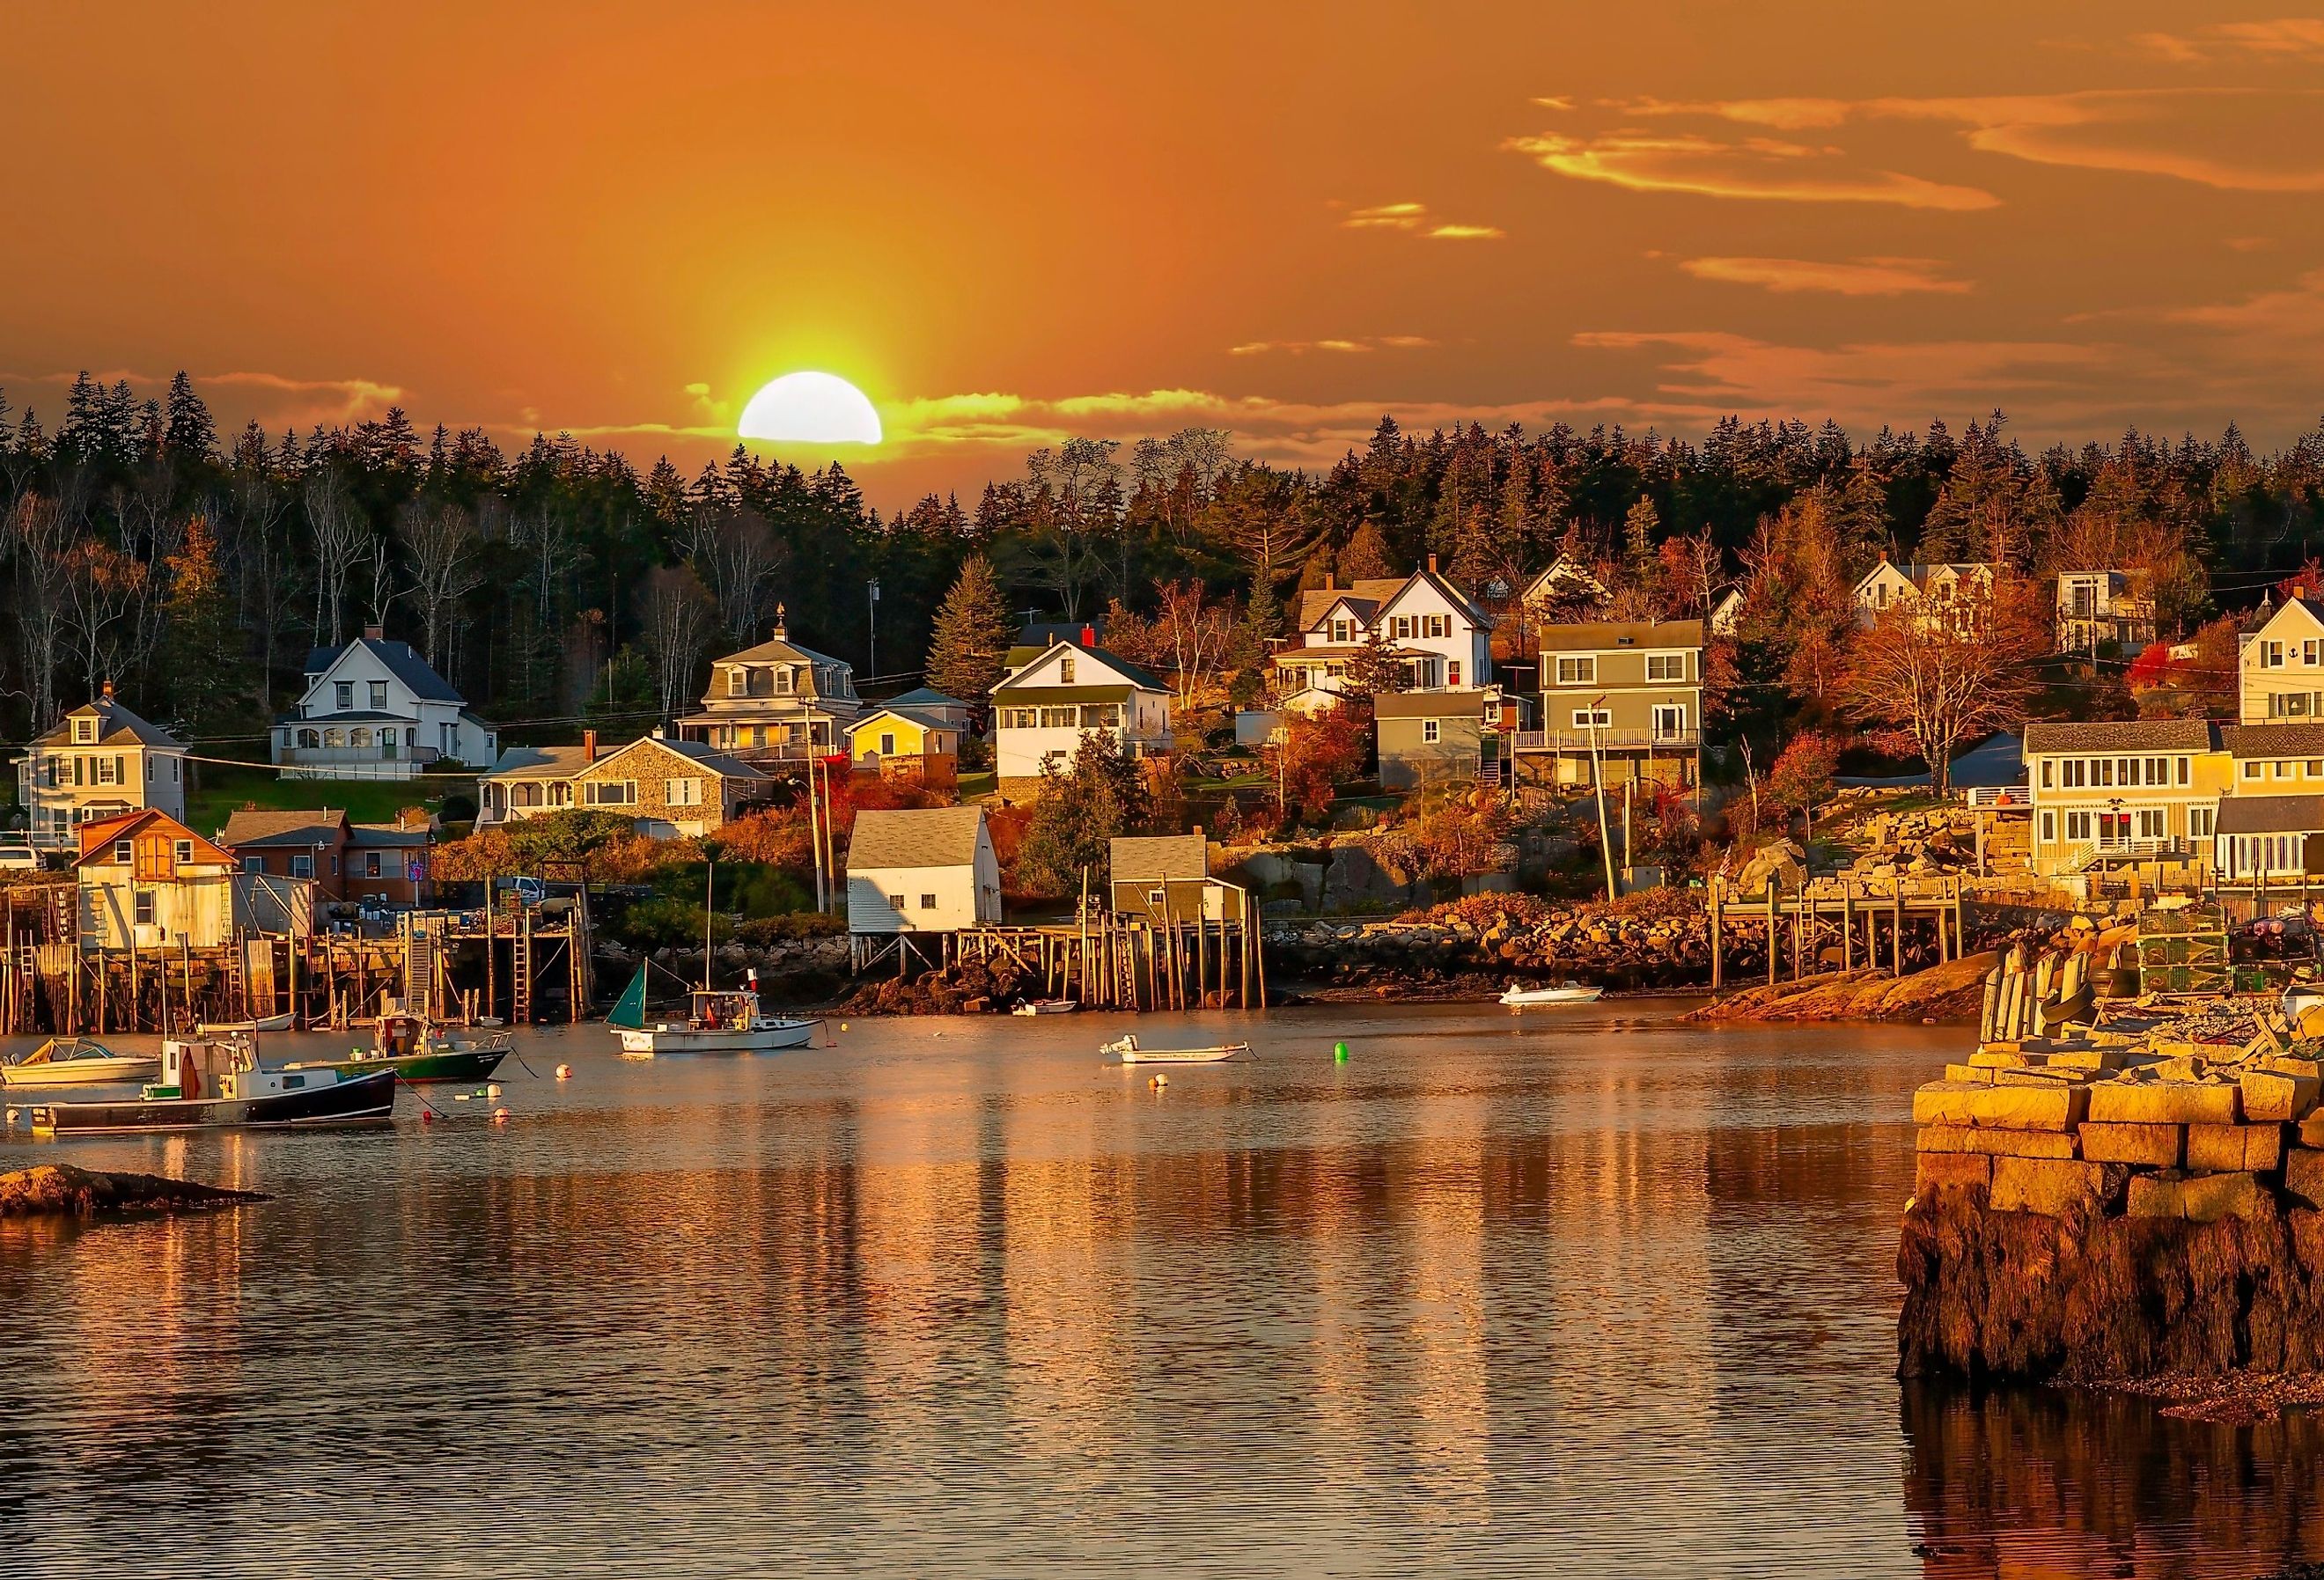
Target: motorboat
{"type": "Point", "coordinates": [1129, 1050]}
{"type": "Point", "coordinates": [1046, 1007]}
{"type": "Point", "coordinates": [417, 1049]}
{"type": "Point", "coordinates": [78, 1061]}
{"type": "Point", "coordinates": [281, 1022]}
{"type": "Point", "coordinates": [1571, 993]}
{"type": "Point", "coordinates": [207, 1084]}
{"type": "Point", "coordinates": [717, 1021]}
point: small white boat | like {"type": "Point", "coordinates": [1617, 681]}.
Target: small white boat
{"type": "Point", "coordinates": [1128, 1052]}
{"type": "Point", "coordinates": [718, 1022]}
{"type": "Point", "coordinates": [1046, 1007]}
{"type": "Point", "coordinates": [78, 1061]}
{"type": "Point", "coordinates": [281, 1022]}
{"type": "Point", "coordinates": [1572, 993]}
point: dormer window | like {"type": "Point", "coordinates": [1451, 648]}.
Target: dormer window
{"type": "Point", "coordinates": [786, 680]}
{"type": "Point", "coordinates": [737, 681]}
{"type": "Point", "coordinates": [1342, 631]}
{"type": "Point", "coordinates": [1065, 672]}
{"type": "Point", "coordinates": [84, 730]}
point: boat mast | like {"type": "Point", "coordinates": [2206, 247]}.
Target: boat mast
{"type": "Point", "coordinates": [709, 891]}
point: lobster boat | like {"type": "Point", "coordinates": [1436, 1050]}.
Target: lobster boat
{"type": "Point", "coordinates": [209, 1085]}
{"type": "Point", "coordinates": [417, 1049]}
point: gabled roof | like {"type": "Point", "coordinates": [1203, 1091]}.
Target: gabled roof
{"type": "Point", "coordinates": [2307, 605]}
{"type": "Point", "coordinates": [400, 658]}
{"type": "Point", "coordinates": [926, 721]}
{"type": "Point", "coordinates": [922, 836]}
{"type": "Point", "coordinates": [695, 752]}
{"type": "Point", "coordinates": [116, 727]}
{"type": "Point", "coordinates": [1428, 576]}
{"type": "Point", "coordinates": [98, 835]}
{"type": "Point", "coordinates": [539, 762]}
{"type": "Point", "coordinates": [1120, 666]}
{"type": "Point", "coordinates": [1364, 597]}
{"type": "Point", "coordinates": [2271, 814]}
{"type": "Point", "coordinates": [2273, 740]}
{"type": "Point", "coordinates": [1565, 569]}
{"type": "Point", "coordinates": [1145, 858]}
{"type": "Point", "coordinates": [1614, 635]}
{"type": "Point", "coordinates": [254, 827]}
{"type": "Point", "coordinates": [925, 697]}
{"type": "Point", "coordinates": [2136, 735]}
{"type": "Point", "coordinates": [380, 835]}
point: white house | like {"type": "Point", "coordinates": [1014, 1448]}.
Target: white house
{"type": "Point", "coordinates": [2279, 667]}
{"type": "Point", "coordinates": [2105, 609]}
{"type": "Point", "coordinates": [1043, 708]}
{"type": "Point", "coordinates": [374, 709]}
{"type": "Point", "coordinates": [1565, 583]}
{"type": "Point", "coordinates": [1441, 637]}
{"type": "Point", "coordinates": [927, 870]}
{"type": "Point", "coordinates": [1929, 590]}
{"type": "Point", "coordinates": [100, 761]}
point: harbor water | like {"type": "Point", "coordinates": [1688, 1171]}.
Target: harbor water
{"type": "Point", "coordinates": [1585, 1292]}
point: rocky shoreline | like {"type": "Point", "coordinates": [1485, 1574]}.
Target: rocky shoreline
{"type": "Point", "coordinates": [66, 1190]}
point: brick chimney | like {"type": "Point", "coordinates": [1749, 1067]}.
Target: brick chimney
{"type": "Point", "coordinates": [373, 632]}
{"type": "Point", "coordinates": [1089, 636]}
{"type": "Point", "coordinates": [588, 746]}
{"type": "Point", "coordinates": [108, 688]}
{"type": "Point", "coordinates": [1432, 564]}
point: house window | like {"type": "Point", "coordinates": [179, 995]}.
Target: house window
{"type": "Point", "coordinates": [379, 696]}
{"type": "Point", "coordinates": [2250, 771]}
{"type": "Point", "coordinates": [335, 738]}
{"type": "Point", "coordinates": [1429, 731]}
{"type": "Point", "coordinates": [1577, 671]}
{"type": "Point", "coordinates": [1101, 715]}
{"type": "Point", "coordinates": [2279, 770]}
{"type": "Point", "coordinates": [145, 907]}
{"type": "Point", "coordinates": [1016, 718]}
{"type": "Point", "coordinates": [1401, 628]}
{"type": "Point", "coordinates": [253, 863]}
{"type": "Point", "coordinates": [182, 853]}
{"type": "Point", "coordinates": [2312, 652]}
{"type": "Point", "coordinates": [308, 740]}
{"type": "Point", "coordinates": [2185, 769]}
{"type": "Point", "coordinates": [124, 853]}
{"type": "Point", "coordinates": [736, 682]}
{"type": "Point", "coordinates": [896, 902]}
{"type": "Point", "coordinates": [1065, 672]}
{"type": "Point", "coordinates": [346, 693]}
{"type": "Point", "coordinates": [786, 680]}
{"type": "Point", "coordinates": [2272, 655]}
{"type": "Point", "coordinates": [1592, 718]}
{"type": "Point", "coordinates": [1665, 666]}
{"type": "Point", "coordinates": [360, 736]}
{"type": "Point", "coordinates": [1669, 720]}
{"type": "Point", "coordinates": [887, 745]}
{"type": "Point", "coordinates": [609, 792]}
{"type": "Point", "coordinates": [302, 865]}
{"type": "Point", "coordinates": [84, 730]}
{"type": "Point", "coordinates": [1440, 625]}
{"type": "Point", "coordinates": [372, 865]}
{"type": "Point", "coordinates": [2078, 826]}
{"type": "Point", "coordinates": [105, 774]}
{"type": "Point", "coordinates": [2047, 777]}
{"type": "Point", "coordinates": [683, 792]}
{"type": "Point", "coordinates": [2049, 827]}
{"type": "Point", "coordinates": [1341, 632]}
{"type": "Point", "coordinates": [1060, 718]}
{"type": "Point", "coordinates": [928, 903]}
{"type": "Point", "coordinates": [1453, 672]}
{"type": "Point", "coordinates": [2202, 822]}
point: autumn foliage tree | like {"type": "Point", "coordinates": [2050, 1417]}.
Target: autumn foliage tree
{"type": "Point", "coordinates": [1311, 757]}
{"type": "Point", "coordinates": [1951, 676]}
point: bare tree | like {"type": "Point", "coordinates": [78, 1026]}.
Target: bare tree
{"type": "Point", "coordinates": [737, 556]}
{"type": "Point", "coordinates": [383, 585]}
{"type": "Point", "coordinates": [1947, 677]}
{"type": "Point", "coordinates": [102, 587]}
{"type": "Point", "coordinates": [40, 540]}
{"type": "Point", "coordinates": [678, 619]}
{"type": "Point", "coordinates": [342, 538]}
{"type": "Point", "coordinates": [440, 541]}
{"type": "Point", "coordinates": [1195, 633]}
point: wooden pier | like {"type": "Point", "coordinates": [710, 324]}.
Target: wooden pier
{"type": "Point", "coordinates": [1108, 960]}
{"type": "Point", "coordinates": [1863, 920]}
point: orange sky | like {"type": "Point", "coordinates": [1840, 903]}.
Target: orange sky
{"type": "Point", "coordinates": [1011, 223]}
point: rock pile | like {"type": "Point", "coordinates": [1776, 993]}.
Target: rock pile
{"type": "Point", "coordinates": [2118, 1204]}
{"type": "Point", "coordinates": [65, 1190]}
{"type": "Point", "coordinates": [1664, 943]}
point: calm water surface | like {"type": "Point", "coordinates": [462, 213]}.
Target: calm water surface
{"type": "Point", "coordinates": [1582, 1294]}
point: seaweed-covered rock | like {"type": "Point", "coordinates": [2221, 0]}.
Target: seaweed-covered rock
{"type": "Point", "coordinates": [62, 1189]}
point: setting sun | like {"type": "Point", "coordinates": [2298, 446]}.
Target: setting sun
{"type": "Point", "coordinates": [810, 408]}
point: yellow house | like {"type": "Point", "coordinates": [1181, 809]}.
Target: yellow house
{"type": "Point", "coordinates": [905, 744]}
{"type": "Point", "coordinates": [2108, 793]}
{"type": "Point", "coordinates": [149, 882]}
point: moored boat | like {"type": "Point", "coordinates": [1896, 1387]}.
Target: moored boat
{"type": "Point", "coordinates": [205, 1085]}
{"type": "Point", "coordinates": [281, 1022]}
{"type": "Point", "coordinates": [1572, 993]}
{"type": "Point", "coordinates": [717, 1021]}
{"type": "Point", "coordinates": [1046, 1007]}
{"type": "Point", "coordinates": [78, 1061]}
{"type": "Point", "coordinates": [1128, 1050]}
{"type": "Point", "coordinates": [417, 1049]}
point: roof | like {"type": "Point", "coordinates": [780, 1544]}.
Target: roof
{"type": "Point", "coordinates": [255, 826]}
{"type": "Point", "coordinates": [1040, 633]}
{"type": "Point", "coordinates": [2271, 814]}
{"type": "Point", "coordinates": [1604, 635]}
{"type": "Point", "coordinates": [1142, 858]}
{"type": "Point", "coordinates": [922, 836]}
{"type": "Point", "coordinates": [1997, 761]}
{"type": "Point", "coordinates": [926, 721]}
{"type": "Point", "coordinates": [1464, 704]}
{"type": "Point", "coordinates": [779, 649]}
{"type": "Point", "coordinates": [1129, 671]}
{"type": "Point", "coordinates": [2134, 735]}
{"type": "Point", "coordinates": [725, 764]}
{"type": "Point", "coordinates": [400, 658]}
{"type": "Point", "coordinates": [118, 728]}
{"type": "Point", "coordinates": [378, 835]}
{"type": "Point", "coordinates": [2273, 740]}
{"type": "Point", "coordinates": [539, 762]}
{"type": "Point", "coordinates": [1365, 594]}
{"type": "Point", "coordinates": [97, 835]}
{"type": "Point", "coordinates": [925, 697]}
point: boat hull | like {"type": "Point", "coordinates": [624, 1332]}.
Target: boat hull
{"type": "Point", "coordinates": [1543, 998]}
{"type": "Point", "coordinates": [1182, 1055]}
{"type": "Point", "coordinates": [81, 1072]}
{"type": "Point", "coordinates": [365, 1100]}
{"type": "Point", "coordinates": [229, 1028]}
{"type": "Point", "coordinates": [466, 1064]}
{"type": "Point", "coordinates": [651, 1041]}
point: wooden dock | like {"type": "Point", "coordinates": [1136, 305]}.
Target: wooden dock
{"type": "Point", "coordinates": [1863, 919]}
{"type": "Point", "coordinates": [1108, 960]}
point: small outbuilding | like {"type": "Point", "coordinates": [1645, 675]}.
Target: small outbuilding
{"type": "Point", "coordinates": [1429, 737]}
{"type": "Point", "coordinates": [922, 870]}
{"type": "Point", "coordinates": [901, 743]}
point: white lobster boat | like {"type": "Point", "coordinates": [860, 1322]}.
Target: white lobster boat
{"type": "Point", "coordinates": [205, 1085]}
{"type": "Point", "coordinates": [1572, 993]}
{"type": "Point", "coordinates": [717, 1021]}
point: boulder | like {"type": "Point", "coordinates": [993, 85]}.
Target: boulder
{"type": "Point", "coordinates": [1959, 1102]}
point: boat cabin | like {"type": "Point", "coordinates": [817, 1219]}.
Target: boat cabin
{"type": "Point", "coordinates": [725, 1009]}
{"type": "Point", "coordinates": [201, 1068]}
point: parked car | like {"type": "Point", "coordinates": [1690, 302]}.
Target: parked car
{"type": "Point", "coordinates": [17, 854]}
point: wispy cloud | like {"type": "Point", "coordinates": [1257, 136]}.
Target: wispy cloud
{"type": "Point", "coordinates": [1859, 277]}
{"type": "Point", "coordinates": [2297, 39]}
{"type": "Point", "coordinates": [1415, 220]}
{"type": "Point", "coordinates": [1359, 344]}
{"type": "Point", "coordinates": [1750, 168]}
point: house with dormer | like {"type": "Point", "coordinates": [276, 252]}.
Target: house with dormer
{"type": "Point", "coordinates": [1044, 708]}
{"type": "Point", "coordinates": [375, 709]}
{"type": "Point", "coordinates": [1933, 593]}
{"type": "Point", "coordinates": [1434, 630]}
{"type": "Point", "coordinates": [99, 760]}
{"type": "Point", "coordinates": [778, 702]}
{"type": "Point", "coordinates": [2279, 667]}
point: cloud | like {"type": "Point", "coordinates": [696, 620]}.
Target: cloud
{"type": "Point", "coordinates": [1861, 277]}
{"type": "Point", "coordinates": [1414, 219]}
{"type": "Point", "coordinates": [2257, 138]}
{"type": "Point", "coordinates": [1357, 345]}
{"type": "Point", "coordinates": [1753, 168]}
{"type": "Point", "coordinates": [2299, 39]}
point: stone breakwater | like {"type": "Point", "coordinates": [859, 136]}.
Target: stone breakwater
{"type": "Point", "coordinates": [2120, 1205]}
{"type": "Point", "coordinates": [1471, 948]}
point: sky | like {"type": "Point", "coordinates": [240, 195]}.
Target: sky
{"type": "Point", "coordinates": [1011, 224]}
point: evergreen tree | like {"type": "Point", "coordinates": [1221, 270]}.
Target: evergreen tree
{"type": "Point", "coordinates": [1096, 796]}
{"type": "Point", "coordinates": [188, 436]}
{"type": "Point", "coordinates": [206, 669]}
{"type": "Point", "coordinates": [972, 634]}
{"type": "Point", "coordinates": [1365, 557]}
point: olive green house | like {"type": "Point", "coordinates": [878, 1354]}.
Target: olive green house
{"type": "Point", "coordinates": [1625, 694]}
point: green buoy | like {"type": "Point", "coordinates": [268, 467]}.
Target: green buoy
{"type": "Point", "coordinates": [1338, 1053]}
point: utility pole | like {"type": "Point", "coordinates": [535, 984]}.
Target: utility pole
{"type": "Point", "coordinates": [1598, 776]}
{"type": "Point", "coordinates": [871, 657]}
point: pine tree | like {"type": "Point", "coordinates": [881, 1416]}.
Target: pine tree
{"type": "Point", "coordinates": [972, 634]}
{"type": "Point", "coordinates": [188, 436]}
{"type": "Point", "coordinates": [1365, 557]}
{"type": "Point", "coordinates": [208, 671]}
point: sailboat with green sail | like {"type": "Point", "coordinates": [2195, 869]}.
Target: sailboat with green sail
{"type": "Point", "coordinates": [719, 1020]}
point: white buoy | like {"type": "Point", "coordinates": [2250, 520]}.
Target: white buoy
{"type": "Point", "coordinates": [565, 1072]}
{"type": "Point", "coordinates": [493, 1090]}
{"type": "Point", "coordinates": [500, 1117]}
{"type": "Point", "coordinates": [462, 1097]}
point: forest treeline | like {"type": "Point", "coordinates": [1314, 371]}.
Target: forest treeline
{"type": "Point", "coordinates": [559, 581]}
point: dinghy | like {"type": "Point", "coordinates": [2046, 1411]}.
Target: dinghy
{"type": "Point", "coordinates": [1572, 993]}
{"type": "Point", "coordinates": [1046, 1007]}
{"type": "Point", "coordinates": [1128, 1050]}
{"type": "Point", "coordinates": [281, 1022]}
{"type": "Point", "coordinates": [78, 1061]}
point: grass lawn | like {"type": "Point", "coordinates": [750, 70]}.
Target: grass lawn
{"type": "Point", "coordinates": [973, 786]}
{"type": "Point", "coordinates": [218, 792]}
